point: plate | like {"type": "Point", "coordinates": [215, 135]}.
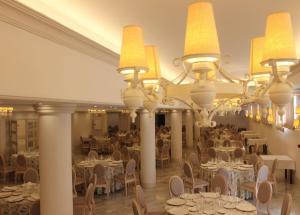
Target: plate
{"type": "Point", "coordinates": [222, 211]}
{"type": "Point", "coordinates": [246, 207]}
{"type": "Point", "coordinates": [189, 196]}
{"type": "Point", "coordinates": [14, 199]}
{"type": "Point", "coordinates": [178, 211]}
{"type": "Point", "coordinates": [10, 188]}
{"type": "Point", "coordinates": [35, 196]}
{"type": "Point", "coordinates": [231, 198]}
{"type": "Point", "coordinates": [190, 203]}
{"type": "Point", "coordinates": [229, 206]}
{"type": "Point", "coordinates": [5, 194]}
{"type": "Point", "coordinates": [210, 195]}
{"type": "Point", "coordinates": [193, 209]}
{"type": "Point", "coordinates": [247, 165]}
{"type": "Point", "coordinates": [176, 202]}
{"type": "Point", "coordinates": [209, 212]}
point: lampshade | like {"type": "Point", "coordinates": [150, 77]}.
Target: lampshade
{"type": "Point", "coordinates": [153, 74]}
{"type": "Point", "coordinates": [133, 56]}
{"type": "Point", "coordinates": [298, 110]}
{"type": "Point", "coordinates": [296, 123]}
{"type": "Point", "coordinates": [270, 116]}
{"type": "Point", "coordinates": [256, 55]}
{"type": "Point", "coordinates": [279, 41]}
{"type": "Point", "coordinates": [201, 38]}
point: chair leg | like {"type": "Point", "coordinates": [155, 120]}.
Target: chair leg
{"type": "Point", "coordinates": [125, 189]}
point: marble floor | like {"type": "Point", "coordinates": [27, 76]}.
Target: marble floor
{"type": "Point", "coordinates": [118, 204]}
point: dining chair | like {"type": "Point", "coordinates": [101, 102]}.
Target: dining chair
{"type": "Point", "coordinates": [5, 170]}
{"type": "Point", "coordinates": [238, 153]}
{"type": "Point", "coordinates": [137, 210]}
{"type": "Point", "coordinates": [35, 208]}
{"type": "Point", "coordinates": [212, 153]}
{"type": "Point", "coordinates": [176, 186]}
{"type": "Point", "coordinates": [195, 163]}
{"type": "Point", "coordinates": [23, 209]}
{"type": "Point", "coordinates": [93, 154]}
{"type": "Point", "coordinates": [272, 175]}
{"type": "Point", "coordinates": [85, 144]}
{"type": "Point", "coordinates": [129, 176]}
{"type": "Point", "coordinates": [141, 202]}
{"type": "Point", "coordinates": [220, 182]}
{"type": "Point", "coordinates": [226, 143]}
{"type": "Point", "coordinates": [253, 186]}
{"type": "Point", "coordinates": [226, 174]}
{"type": "Point", "coordinates": [20, 167]}
{"type": "Point", "coordinates": [31, 175]}
{"type": "Point", "coordinates": [102, 181]}
{"type": "Point", "coordinates": [286, 204]}
{"type": "Point", "coordinates": [264, 197]}
{"type": "Point", "coordinates": [190, 181]}
{"type": "Point", "coordinates": [225, 156]}
{"type": "Point", "coordinates": [125, 154]}
{"type": "Point", "coordinates": [198, 148]}
{"type": "Point", "coordinates": [84, 205]}
{"type": "Point", "coordinates": [164, 155]}
{"type": "Point", "coordinates": [116, 155]}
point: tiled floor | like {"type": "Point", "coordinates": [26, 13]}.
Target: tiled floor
{"type": "Point", "coordinates": [118, 204]}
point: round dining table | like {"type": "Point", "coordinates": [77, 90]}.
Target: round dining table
{"type": "Point", "coordinates": [208, 203]}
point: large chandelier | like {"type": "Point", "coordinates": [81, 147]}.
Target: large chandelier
{"type": "Point", "coordinates": [270, 55]}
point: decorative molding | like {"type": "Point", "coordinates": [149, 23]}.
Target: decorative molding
{"type": "Point", "coordinates": [25, 18]}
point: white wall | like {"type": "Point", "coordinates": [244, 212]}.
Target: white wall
{"type": "Point", "coordinates": [283, 143]}
{"type": "Point", "coordinates": [35, 67]}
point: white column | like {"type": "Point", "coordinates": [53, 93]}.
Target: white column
{"type": "Point", "coordinates": [55, 159]}
{"type": "Point", "coordinates": [176, 135]}
{"type": "Point", "coordinates": [189, 128]}
{"type": "Point", "coordinates": [148, 168]}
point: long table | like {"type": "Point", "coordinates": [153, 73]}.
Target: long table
{"type": "Point", "coordinates": [284, 162]}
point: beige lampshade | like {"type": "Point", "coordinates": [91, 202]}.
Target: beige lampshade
{"type": "Point", "coordinates": [298, 110]}
{"type": "Point", "coordinates": [153, 74]}
{"type": "Point", "coordinates": [133, 56]}
{"type": "Point", "coordinates": [256, 55]}
{"type": "Point", "coordinates": [279, 41]}
{"type": "Point", "coordinates": [201, 38]}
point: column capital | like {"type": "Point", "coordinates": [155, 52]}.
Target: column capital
{"type": "Point", "coordinates": [54, 108]}
{"type": "Point", "coordinates": [144, 111]}
{"type": "Point", "coordinates": [188, 111]}
{"type": "Point", "coordinates": [176, 111]}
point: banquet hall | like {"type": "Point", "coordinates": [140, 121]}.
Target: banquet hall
{"type": "Point", "coordinates": [157, 107]}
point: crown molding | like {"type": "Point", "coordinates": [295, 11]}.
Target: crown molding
{"type": "Point", "coordinates": [25, 18]}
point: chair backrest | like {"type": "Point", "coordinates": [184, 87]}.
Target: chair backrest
{"type": "Point", "coordinates": [274, 166]}
{"type": "Point", "coordinates": [286, 204]}
{"type": "Point", "coordinates": [198, 149]}
{"type": "Point", "coordinates": [23, 210]}
{"type": "Point", "coordinates": [93, 154]}
{"type": "Point", "coordinates": [193, 158]}
{"type": "Point", "coordinates": [225, 157]}
{"type": "Point", "coordinates": [238, 153]}
{"type": "Point", "coordinates": [116, 155]}
{"type": "Point", "coordinates": [35, 208]}
{"type": "Point", "coordinates": [125, 153]}
{"type": "Point", "coordinates": [225, 173]}
{"type": "Point", "coordinates": [210, 143]}
{"type": "Point", "coordinates": [253, 159]}
{"type": "Point", "coordinates": [130, 167]}
{"type": "Point", "coordinates": [140, 198]}
{"type": "Point", "coordinates": [176, 186]}
{"type": "Point", "coordinates": [2, 163]}
{"type": "Point", "coordinates": [262, 176]}
{"type": "Point", "coordinates": [99, 170]}
{"type": "Point", "coordinates": [136, 208]}
{"type": "Point", "coordinates": [226, 142]}
{"type": "Point", "coordinates": [31, 175]}
{"type": "Point", "coordinates": [165, 151]}
{"type": "Point", "coordinates": [212, 153]}
{"type": "Point", "coordinates": [188, 171]}
{"type": "Point", "coordinates": [89, 195]}
{"type": "Point", "coordinates": [21, 162]}
{"type": "Point", "coordinates": [219, 181]}
{"type": "Point", "coordinates": [264, 193]}
{"type": "Point", "coordinates": [136, 156]}
{"type": "Point", "coordinates": [74, 182]}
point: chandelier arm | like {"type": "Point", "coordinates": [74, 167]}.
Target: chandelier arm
{"type": "Point", "coordinates": [186, 72]}
{"type": "Point", "coordinates": [295, 70]}
{"type": "Point", "coordinates": [267, 87]}
{"type": "Point", "coordinates": [224, 73]}
{"type": "Point", "coordinates": [146, 93]}
{"type": "Point", "coordinates": [214, 111]}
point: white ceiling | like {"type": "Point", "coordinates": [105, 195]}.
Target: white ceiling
{"type": "Point", "coordinates": [163, 22]}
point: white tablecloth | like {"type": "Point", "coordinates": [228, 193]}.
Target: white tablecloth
{"type": "Point", "coordinates": [258, 141]}
{"type": "Point", "coordinates": [208, 203]}
{"type": "Point", "coordinates": [284, 161]}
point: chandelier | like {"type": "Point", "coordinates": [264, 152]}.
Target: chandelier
{"type": "Point", "coordinates": [270, 59]}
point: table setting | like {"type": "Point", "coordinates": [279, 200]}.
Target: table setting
{"type": "Point", "coordinates": [208, 203]}
{"type": "Point", "coordinates": [239, 173]}
{"type": "Point", "coordinates": [11, 197]}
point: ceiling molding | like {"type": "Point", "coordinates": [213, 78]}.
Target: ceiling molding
{"type": "Point", "coordinates": [23, 17]}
